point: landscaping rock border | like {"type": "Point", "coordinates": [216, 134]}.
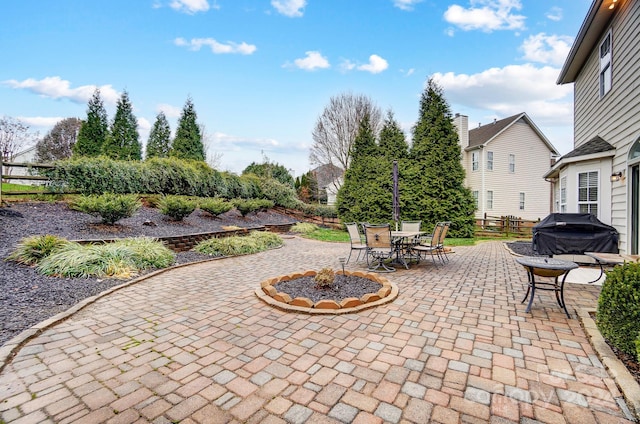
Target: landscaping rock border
{"type": "Point", "coordinates": [626, 383]}
{"type": "Point", "coordinates": [268, 294]}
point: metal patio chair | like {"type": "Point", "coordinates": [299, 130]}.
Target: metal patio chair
{"type": "Point", "coordinates": [380, 247]}
{"type": "Point", "coordinates": [357, 240]}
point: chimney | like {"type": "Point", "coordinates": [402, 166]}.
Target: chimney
{"type": "Point", "coordinates": [494, 121]}
{"type": "Point", "coordinates": [461, 122]}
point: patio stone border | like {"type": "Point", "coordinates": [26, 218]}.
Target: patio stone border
{"type": "Point", "coordinates": [268, 294]}
{"type": "Point", "coordinates": [626, 382]}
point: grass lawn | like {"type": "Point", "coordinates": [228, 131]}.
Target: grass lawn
{"type": "Point", "coordinates": [326, 234]}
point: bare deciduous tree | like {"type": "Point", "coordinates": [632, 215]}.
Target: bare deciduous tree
{"type": "Point", "coordinates": [14, 136]}
{"type": "Point", "coordinates": [58, 143]}
{"type": "Point", "coordinates": [214, 159]}
{"type": "Point", "coordinates": [337, 127]}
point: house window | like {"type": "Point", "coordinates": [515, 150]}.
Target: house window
{"type": "Point", "coordinates": [475, 198]}
{"type": "Point", "coordinates": [512, 163]}
{"type": "Point", "coordinates": [605, 65]}
{"type": "Point", "coordinates": [588, 192]}
{"type": "Point", "coordinates": [563, 194]}
{"type": "Point", "coordinates": [489, 199]}
{"type": "Point", "coordinates": [521, 201]}
{"type": "Point", "coordinates": [475, 159]}
{"type": "Point", "coordinates": [489, 161]}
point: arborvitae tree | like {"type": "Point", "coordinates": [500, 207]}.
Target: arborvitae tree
{"type": "Point", "coordinates": [188, 141]}
{"type": "Point", "coordinates": [366, 193]}
{"type": "Point", "coordinates": [58, 143]}
{"type": "Point", "coordinates": [94, 129]}
{"type": "Point", "coordinates": [435, 177]}
{"type": "Point", "coordinates": [159, 142]}
{"type": "Point", "coordinates": [123, 140]}
{"type": "Point", "coordinates": [393, 143]}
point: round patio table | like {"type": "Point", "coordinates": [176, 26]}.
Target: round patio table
{"type": "Point", "coordinates": [546, 267]}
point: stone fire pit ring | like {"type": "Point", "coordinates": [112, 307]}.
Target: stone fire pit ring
{"type": "Point", "coordinates": [268, 294]}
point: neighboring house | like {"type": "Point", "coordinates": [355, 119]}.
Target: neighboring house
{"type": "Point", "coordinates": [26, 156]}
{"type": "Point", "coordinates": [602, 174]}
{"type": "Point", "coordinates": [504, 164]}
{"type": "Point", "coordinates": [329, 179]}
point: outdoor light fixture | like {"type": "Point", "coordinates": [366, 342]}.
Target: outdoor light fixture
{"type": "Point", "coordinates": [617, 176]}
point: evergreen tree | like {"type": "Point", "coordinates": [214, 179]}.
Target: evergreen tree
{"type": "Point", "coordinates": [366, 193]}
{"type": "Point", "coordinates": [270, 170]}
{"type": "Point", "coordinates": [188, 141]}
{"type": "Point", "coordinates": [393, 143]}
{"type": "Point", "coordinates": [123, 140]}
{"type": "Point", "coordinates": [435, 176]}
{"type": "Point", "coordinates": [94, 129]}
{"type": "Point", "coordinates": [159, 142]}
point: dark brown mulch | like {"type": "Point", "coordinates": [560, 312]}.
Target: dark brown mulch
{"type": "Point", "coordinates": [344, 286]}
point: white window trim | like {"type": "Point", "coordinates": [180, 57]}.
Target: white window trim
{"type": "Point", "coordinates": [476, 198]}
{"type": "Point", "coordinates": [563, 194]}
{"type": "Point", "coordinates": [522, 198]}
{"type": "Point", "coordinates": [490, 199]}
{"type": "Point", "coordinates": [475, 161]}
{"type": "Point", "coordinates": [489, 160]}
{"type": "Point", "coordinates": [605, 75]}
{"type": "Point", "coordinates": [512, 163]}
{"type": "Point", "coordinates": [597, 202]}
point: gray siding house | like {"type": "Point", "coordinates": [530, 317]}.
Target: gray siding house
{"type": "Point", "coordinates": [602, 174]}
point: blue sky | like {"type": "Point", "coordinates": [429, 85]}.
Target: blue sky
{"type": "Point", "coordinates": [260, 72]}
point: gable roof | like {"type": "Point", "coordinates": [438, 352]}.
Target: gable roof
{"type": "Point", "coordinates": [484, 134]}
{"type": "Point", "coordinates": [595, 145]}
{"type": "Point", "coordinates": [592, 149]}
{"type": "Point", "coordinates": [593, 26]}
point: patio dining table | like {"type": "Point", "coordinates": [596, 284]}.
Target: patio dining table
{"type": "Point", "coordinates": [402, 240]}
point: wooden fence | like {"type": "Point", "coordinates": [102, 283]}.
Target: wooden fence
{"type": "Point", "coordinates": [7, 176]}
{"type": "Point", "coordinates": [504, 226]}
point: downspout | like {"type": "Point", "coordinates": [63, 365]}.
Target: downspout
{"type": "Point", "coordinates": [483, 192]}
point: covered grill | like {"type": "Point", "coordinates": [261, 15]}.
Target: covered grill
{"type": "Point", "coordinates": [573, 233]}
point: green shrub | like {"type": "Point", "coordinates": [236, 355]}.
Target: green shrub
{"type": "Point", "coordinates": [246, 206]}
{"type": "Point", "coordinates": [176, 207]}
{"type": "Point", "coordinates": [281, 194]}
{"type": "Point", "coordinates": [618, 315]}
{"type": "Point", "coordinates": [215, 206]}
{"type": "Point", "coordinates": [304, 228]}
{"type": "Point", "coordinates": [120, 259]}
{"type": "Point", "coordinates": [256, 241]}
{"type": "Point", "coordinates": [32, 249]}
{"type": "Point", "coordinates": [638, 347]}
{"type": "Point", "coordinates": [110, 207]}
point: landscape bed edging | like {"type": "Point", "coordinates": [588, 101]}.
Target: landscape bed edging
{"type": "Point", "coordinates": [624, 380]}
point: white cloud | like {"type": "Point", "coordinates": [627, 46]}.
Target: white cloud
{"type": "Point", "coordinates": [486, 15]}
{"type": "Point", "coordinates": [375, 66]}
{"type": "Point", "coordinates": [405, 4]}
{"type": "Point", "coordinates": [408, 72]}
{"type": "Point", "coordinates": [226, 142]}
{"type": "Point", "coordinates": [312, 61]}
{"type": "Point", "coordinates": [57, 88]}
{"type": "Point", "coordinates": [169, 111]}
{"type": "Point", "coordinates": [547, 49]}
{"type": "Point", "coordinates": [144, 125]}
{"type": "Point", "coordinates": [41, 122]}
{"type": "Point", "coordinates": [216, 47]}
{"type": "Point", "coordinates": [511, 90]}
{"type": "Point", "coordinates": [190, 6]}
{"type": "Point", "coordinates": [347, 65]}
{"type": "Point", "coordinates": [554, 14]}
{"type": "Point", "coordinates": [290, 8]}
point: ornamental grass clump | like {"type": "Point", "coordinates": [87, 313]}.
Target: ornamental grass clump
{"type": "Point", "coordinates": [176, 207]}
{"type": "Point", "coordinates": [256, 241]}
{"type": "Point", "coordinates": [304, 228]}
{"type": "Point", "coordinates": [109, 206]}
{"type": "Point", "coordinates": [215, 206]}
{"type": "Point", "coordinates": [120, 259]}
{"type": "Point", "coordinates": [618, 314]}
{"type": "Point", "coordinates": [32, 249]}
{"type": "Point", "coordinates": [325, 278]}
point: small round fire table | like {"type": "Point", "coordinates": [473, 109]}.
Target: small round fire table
{"type": "Point", "coordinates": [546, 267]}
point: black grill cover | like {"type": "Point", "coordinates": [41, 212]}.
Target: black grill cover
{"type": "Point", "coordinates": [573, 233]}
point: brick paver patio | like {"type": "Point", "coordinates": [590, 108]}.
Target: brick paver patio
{"type": "Point", "coordinates": [195, 345]}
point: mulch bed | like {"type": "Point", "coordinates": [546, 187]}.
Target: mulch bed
{"type": "Point", "coordinates": [344, 286]}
